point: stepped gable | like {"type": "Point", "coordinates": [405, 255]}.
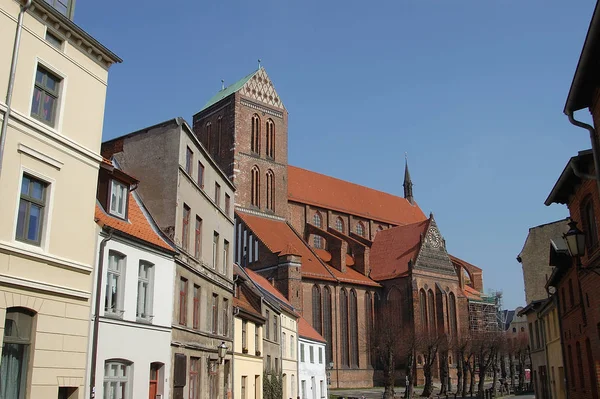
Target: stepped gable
{"type": "Point", "coordinates": [328, 192]}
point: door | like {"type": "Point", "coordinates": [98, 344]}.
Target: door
{"type": "Point", "coordinates": [153, 381]}
{"type": "Point", "coordinates": [313, 387]}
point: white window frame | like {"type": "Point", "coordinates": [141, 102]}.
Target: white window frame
{"type": "Point", "coordinates": [122, 263]}
{"type": "Point", "coordinates": [58, 120]}
{"type": "Point", "coordinates": [119, 213]}
{"type": "Point", "coordinates": [311, 353]}
{"type": "Point", "coordinates": [117, 379]}
{"type": "Point", "coordinates": [149, 280]}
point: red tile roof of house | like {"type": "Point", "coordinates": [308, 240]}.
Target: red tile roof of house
{"type": "Point", "coordinates": [305, 330]}
{"type": "Point", "coordinates": [394, 248]}
{"type": "Point", "coordinates": [266, 285]}
{"type": "Point", "coordinates": [352, 276]}
{"type": "Point", "coordinates": [279, 238]}
{"type": "Point", "coordinates": [137, 224]}
{"type": "Point", "coordinates": [328, 192]}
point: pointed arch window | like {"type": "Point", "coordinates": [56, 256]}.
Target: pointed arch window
{"type": "Point", "coordinates": [219, 135]}
{"type": "Point", "coordinates": [208, 136]}
{"type": "Point", "coordinates": [318, 241]}
{"type": "Point", "coordinates": [353, 328]}
{"type": "Point", "coordinates": [431, 310]}
{"type": "Point", "coordinates": [423, 308]}
{"type": "Point", "coordinates": [255, 192]}
{"type": "Point", "coordinates": [588, 219]}
{"type": "Point", "coordinates": [339, 224]}
{"type": "Point", "coordinates": [344, 327]}
{"type": "Point", "coordinates": [316, 309]}
{"type": "Point", "coordinates": [327, 330]}
{"type": "Point", "coordinates": [270, 138]}
{"type": "Point", "coordinates": [369, 323]}
{"type": "Point", "coordinates": [270, 190]}
{"type": "Point", "coordinates": [317, 220]}
{"type": "Point", "coordinates": [255, 137]}
{"type": "Point", "coordinates": [360, 229]}
{"type": "Point", "coordinates": [453, 320]}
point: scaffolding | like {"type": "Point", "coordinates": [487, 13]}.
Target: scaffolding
{"type": "Point", "coordinates": [484, 313]}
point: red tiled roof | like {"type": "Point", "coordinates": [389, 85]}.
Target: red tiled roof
{"type": "Point", "coordinates": [305, 330]}
{"type": "Point", "coordinates": [316, 189]}
{"type": "Point", "coordinates": [393, 248]}
{"type": "Point", "coordinates": [264, 284]}
{"type": "Point", "coordinates": [324, 255]}
{"type": "Point", "coordinates": [243, 303]}
{"type": "Point", "coordinates": [472, 293]}
{"type": "Point", "coordinates": [279, 237]}
{"type": "Point", "coordinates": [352, 276]}
{"type": "Point", "coordinates": [137, 225]}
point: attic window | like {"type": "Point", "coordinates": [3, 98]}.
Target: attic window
{"type": "Point", "coordinates": [118, 199]}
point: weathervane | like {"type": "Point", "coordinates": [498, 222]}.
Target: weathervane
{"type": "Point", "coordinates": [259, 63]}
{"type": "Point", "coordinates": [222, 84]}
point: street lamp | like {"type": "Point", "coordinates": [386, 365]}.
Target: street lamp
{"type": "Point", "coordinates": [222, 351]}
{"type": "Point", "coordinates": [575, 240]}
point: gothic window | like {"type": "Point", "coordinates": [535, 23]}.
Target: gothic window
{"type": "Point", "coordinates": [339, 224]}
{"type": "Point", "coordinates": [317, 220]}
{"type": "Point", "coordinates": [270, 190]}
{"type": "Point", "coordinates": [208, 135]}
{"type": "Point", "coordinates": [360, 229]}
{"type": "Point", "coordinates": [423, 306]}
{"type": "Point", "coordinates": [219, 135]}
{"type": "Point", "coordinates": [431, 306]}
{"type": "Point", "coordinates": [255, 199]}
{"type": "Point", "coordinates": [344, 327]}
{"type": "Point", "coordinates": [318, 241]}
{"type": "Point", "coordinates": [369, 322]}
{"type": "Point", "coordinates": [571, 368]}
{"type": "Point", "coordinates": [327, 330]}
{"type": "Point", "coordinates": [255, 137]}
{"type": "Point", "coordinates": [353, 327]}
{"type": "Point", "coordinates": [316, 308]}
{"type": "Point", "coordinates": [453, 321]}
{"type": "Point", "coordinates": [270, 139]}
{"type": "Point", "coordinates": [588, 220]}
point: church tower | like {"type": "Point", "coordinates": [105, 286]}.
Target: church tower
{"type": "Point", "coordinates": [244, 128]}
{"type": "Point", "coordinates": [408, 186]}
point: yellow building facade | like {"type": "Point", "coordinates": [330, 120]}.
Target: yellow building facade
{"type": "Point", "coordinates": [554, 358]}
{"type": "Point", "coordinates": [48, 172]}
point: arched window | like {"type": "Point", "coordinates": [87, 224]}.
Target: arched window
{"type": "Point", "coordinates": [327, 330]}
{"type": "Point", "coordinates": [318, 241]}
{"type": "Point", "coordinates": [117, 378]}
{"type": "Point", "coordinates": [16, 352]}
{"type": "Point", "coordinates": [339, 224]}
{"type": "Point", "coordinates": [344, 327]}
{"type": "Point", "coordinates": [255, 137]}
{"type": "Point", "coordinates": [453, 320]}
{"type": "Point", "coordinates": [317, 220]}
{"type": "Point", "coordinates": [360, 229]}
{"type": "Point", "coordinates": [208, 136]}
{"type": "Point", "coordinates": [431, 310]}
{"type": "Point", "coordinates": [571, 368]}
{"type": "Point", "coordinates": [353, 327]}
{"type": "Point", "coordinates": [270, 138]}
{"type": "Point", "coordinates": [369, 323]}
{"type": "Point", "coordinates": [270, 190]}
{"type": "Point", "coordinates": [255, 199]}
{"type": "Point", "coordinates": [219, 134]}
{"type": "Point", "coordinates": [316, 308]}
{"type": "Point", "coordinates": [588, 221]}
{"type": "Point", "coordinates": [423, 306]}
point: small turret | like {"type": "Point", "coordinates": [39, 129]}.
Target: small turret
{"type": "Point", "coordinates": [408, 186]}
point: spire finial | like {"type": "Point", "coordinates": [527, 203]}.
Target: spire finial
{"type": "Point", "coordinates": [222, 84]}
{"type": "Point", "coordinates": [259, 63]}
{"type": "Point", "coordinates": [408, 193]}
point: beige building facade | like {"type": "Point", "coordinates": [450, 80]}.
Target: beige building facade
{"type": "Point", "coordinates": [48, 174]}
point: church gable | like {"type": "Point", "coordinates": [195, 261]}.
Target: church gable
{"type": "Point", "coordinates": [433, 256]}
{"type": "Point", "coordinates": [260, 88]}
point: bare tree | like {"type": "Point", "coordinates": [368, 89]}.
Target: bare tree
{"type": "Point", "coordinates": [463, 351]}
{"type": "Point", "coordinates": [522, 353]}
{"type": "Point", "coordinates": [429, 345]}
{"type": "Point", "coordinates": [486, 346]}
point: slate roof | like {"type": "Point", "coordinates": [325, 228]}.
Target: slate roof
{"type": "Point", "coordinates": [394, 248]}
{"type": "Point", "coordinates": [305, 330]}
{"type": "Point", "coordinates": [316, 189]}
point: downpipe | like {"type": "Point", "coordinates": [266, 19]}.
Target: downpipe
{"type": "Point", "coordinates": [11, 80]}
{"type": "Point", "coordinates": [592, 132]}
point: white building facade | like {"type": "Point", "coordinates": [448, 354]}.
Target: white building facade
{"type": "Point", "coordinates": [312, 373]}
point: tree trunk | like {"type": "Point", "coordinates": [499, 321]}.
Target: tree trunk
{"type": "Point", "coordinates": [459, 373]}
{"type": "Point", "coordinates": [428, 389]}
{"type": "Point", "coordinates": [444, 373]}
{"type": "Point", "coordinates": [522, 373]}
{"type": "Point", "coordinates": [495, 373]}
{"type": "Point", "coordinates": [389, 376]}
{"type": "Point", "coordinates": [504, 383]}
{"type": "Point", "coordinates": [408, 390]}
{"type": "Point", "coordinates": [481, 385]}
{"type": "Point", "coordinates": [472, 382]}
{"type": "Point", "coordinates": [465, 366]}
{"type": "Point", "coordinates": [511, 365]}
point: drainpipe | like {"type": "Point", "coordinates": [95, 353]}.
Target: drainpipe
{"type": "Point", "coordinates": [97, 314]}
{"type": "Point", "coordinates": [592, 132]}
{"type": "Point", "coordinates": [11, 80]}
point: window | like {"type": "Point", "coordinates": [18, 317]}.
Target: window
{"type": "Point", "coordinates": [317, 220]}
{"type": "Point", "coordinates": [227, 204]}
{"type": "Point", "coordinates": [322, 388]}
{"type": "Point", "coordinates": [276, 364]}
{"type": "Point", "coordinates": [225, 257]}
{"type": "Point", "coordinates": [189, 158]}
{"type": "Point", "coordinates": [303, 387]}
{"type": "Point", "coordinates": [118, 199]}
{"type": "Point", "coordinates": [113, 296]}
{"type": "Point", "coordinates": [316, 309]}
{"type": "Point", "coordinates": [208, 135]}
{"type": "Point", "coordinates": [200, 174]}
{"type": "Point", "coordinates": [344, 327]}
{"type": "Point", "coordinates": [225, 317]}
{"type": "Point", "coordinates": [255, 137]}
{"type": "Point", "coordinates": [270, 138]}
{"type": "Point", "coordinates": [268, 317]}
{"type": "Point", "coordinates": [117, 379]}
{"type": "Point", "coordinates": [255, 195]}
{"type": "Point", "coordinates": [269, 362]}
{"type": "Point", "coordinates": [589, 224]}
{"type": "Point", "coordinates": [256, 338]}
{"type": "Point", "coordinates": [353, 327]}
{"type": "Point", "coordinates": [53, 39]}
{"type": "Point", "coordinates": [194, 378]}
{"type": "Point", "coordinates": [291, 346]}
{"type": "Point", "coordinates": [215, 257]}
{"type": "Point", "coordinates": [317, 241]}
{"type": "Point", "coordinates": [339, 224]}
{"type": "Point", "coordinates": [283, 344]}
{"type": "Point", "coordinates": [311, 353]}
{"type": "Point", "coordinates": [215, 314]}
{"type": "Point", "coordinates": [217, 194]}
{"type": "Point", "coordinates": [65, 7]}
{"type": "Point", "coordinates": [219, 134]}
{"type": "Point", "coordinates": [453, 320]}
{"type": "Point", "coordinates": [302, 353]}
{"type": "Point", "coordinates": [431, 306]}
{"type": "Point", "coordinates": [45, 96]}
{"type": "Point", "coordinates": [270, 190]}
{"type": "Point", "coordinates": [145, 288]}
{"type": "Point", "coordinates": [327, 329]}
{"type": "Point", "coordinates": [198, 238]}
{"type": "Point", "coordinates": [571, 369]}
{"type": "Point", "coordinates": [579, 365]}
{"type": "Point", "coordinates": [244, 335]}
{"type": "Point", "coordinates": [360, 229]}
{"type": "Point", "coordinates": [16, 350]}
{"type": "Point", "coordinates": [185, 233]}
{"type": "Point", "coordinates": [182, 301]}
{"type": "Point", "coordinates": [571, 296]}
{"type": "Point", "coordinates": [196, 309]}
{"type": "Point", "coordinates": [244, 378]}
{"type": "Point", "coordinates": [537, 335]}
{"type": "Point", "coordinates": [30, 220]}
{"type": "Point", "coordinates": [275, 330]}
{"type": "Point", "coordinates": [320, 355]}
{"type": "Point", "coordinates": [514, 329]}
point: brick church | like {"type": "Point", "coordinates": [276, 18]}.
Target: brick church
{"type": "Point", "coordinates": [335, 249]}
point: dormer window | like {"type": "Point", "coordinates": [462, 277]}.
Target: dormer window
{"type": "Point", "coordinates": [118, 199]}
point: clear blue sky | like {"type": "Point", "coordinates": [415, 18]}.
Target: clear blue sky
{"type": "Point", "coordinates": [472, 90]}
